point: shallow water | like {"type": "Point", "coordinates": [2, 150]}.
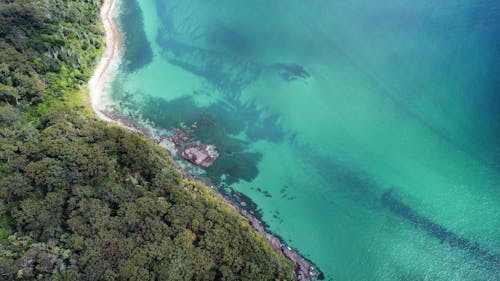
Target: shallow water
{"type": "Point", "coordinates": [367, 133]}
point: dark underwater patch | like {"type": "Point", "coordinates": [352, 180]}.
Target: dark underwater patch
{"type": "Point", "coordinates": [352, 183]}
{"type": "Point", "coordinates": [228, 73]}
{"type": "Point", "coordinates": [137, 51]}
{"type": "Point", "coordinates": [264, 192]}
{"type": "Point", "coordinates": [235, 166]}
{"type": "Point", "coordinates": [364, 191]}
{"type": "Point", "coordinates": [230, 40]}
{"type": "Point", "coordinates": [216, 124]}
{"type": "Point", "coordinates": [225, 65]}
{"type": "Point", "coordinates": [438, 231]}
{"type": "Point", "coordinates": [291, 72]}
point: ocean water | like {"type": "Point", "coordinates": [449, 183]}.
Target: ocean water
{"type": "Point", "coordinates": [365, 132]}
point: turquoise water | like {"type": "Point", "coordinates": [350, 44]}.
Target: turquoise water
{"type": "Point", "coordinates": [366, 132]}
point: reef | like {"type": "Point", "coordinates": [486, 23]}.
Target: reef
{"type": "Point", "coordinates": [195, 152]}
{"type": "Point", "coordinates": [291, 72]}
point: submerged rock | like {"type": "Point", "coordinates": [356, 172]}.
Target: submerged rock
{"type": "Point", "coordinates": [200, 154]}
{"type": "Point", "coordinates": [291, 72]}
{"type": "Point", "coordinates": [195, 152]}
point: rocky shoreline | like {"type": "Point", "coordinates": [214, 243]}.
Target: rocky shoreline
{"type": "Point", "coordinates": [183, 139]}
{"type": "Point", "coordinates": [304, 269]}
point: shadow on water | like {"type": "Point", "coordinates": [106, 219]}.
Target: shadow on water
{"type": "Point", "coordinates": [224, 64]}
{"type": "Point", "coordinates": [229, 74]}
{"type": "Point", "coordinates": [349, 182]}
{"type": "Point", "coordinates": [222, 57]}
{"type": "Point", "coordinates": [438, 231]}
{"type": "Point", "coordinates": [230, 40]}
{"type": "Point", "coordinates": [137, 51]}
{"type": "Point", "coordinates": [360, 188]}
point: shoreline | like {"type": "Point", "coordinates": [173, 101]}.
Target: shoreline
{"type": "Point", "coordinates": [112, 42]}
{"type": "Point", "coordinates": [304, 269]}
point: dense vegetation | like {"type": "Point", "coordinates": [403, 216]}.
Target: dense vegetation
{"type": "Point", "coordinates": [85, 200]}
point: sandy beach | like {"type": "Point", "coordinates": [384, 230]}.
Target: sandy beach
{"type": "Point", "coordinates": [109, 57]}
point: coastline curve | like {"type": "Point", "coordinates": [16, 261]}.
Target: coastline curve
{"type": "Point", "coordinates": [108, 59]}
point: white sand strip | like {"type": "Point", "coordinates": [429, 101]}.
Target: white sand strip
{"type": "Point", "coordinates": [111, 53]}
